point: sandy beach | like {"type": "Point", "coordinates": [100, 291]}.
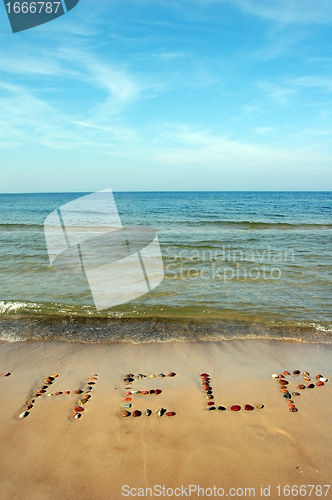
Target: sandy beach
{"type": "Point", "coordinates": [100, 456]}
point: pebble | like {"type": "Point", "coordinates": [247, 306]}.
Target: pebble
{"type": "Point", "coordinates": [127, 405]}
{"type": "Point", "coordinates": [79, 391]}
{"type": "Point", "coordinates": [128, 399]}
{"type": "Point", "coordinates": [124, 413]}
{"type": "Point", "coordinates": [283, 382]}
{"type": "Point", "coordinates": [260, 407]}
{"type": "Point", "coordinates": [158, 391]}
{"type": "Point", "coordinates": [89, 388]}
{"type": "Point", "coordinates": [209, 391]}
{"type": "Point", "coordinates": [306, 378]}
{"type": "Point", "coordinates": [210, 408]}
{"type": "Point", "coordinates": [29, 407]}
{"type": "Point", "coordinates": [76, 415]}
{"type": "Point", "coordinates": [293, 409]}
{"type": "Point", "coordinates": [306, 374]}
{"type": "Point", "coordinates": [286, 373]}
{"type": "Point", "coordinates": [78, 408]}
{"type": "Point", "coordinates": [58, 393]}
{"type": "Point", "coordinates": [152, 375]}
{"type": "Point", "coordinates": [275, 375]}
{"type": "Point", "coordinates": [68, 392]}
{"type": "Point", "coordinates": [152, 391]}
{"type": "Point", "coordinates": [145, 393]}
{"type": "Point", "coordinates": [210, 403]}
{"type": "Point", "coordinates": [204, 375]}
{"type": "Point", "coordinates": [148, 413]}
{"type": "Point", "coordinates": [129, 393]}
{"type": "Point", "coordinates": [161, 375]}
{"type": "Point", "coordinates": [285, 391]}
{"type": "Point", "coordinates": [296, 372]}
{"type": "Point", "coordinates": [206, 387]}
{"type": "Point", "coordinates": [290, 401]}
{"type": "Point", "coordinates": [129, 375]}
{"type": "Point", "coordinates": [171, 374]}
{"type": "Point", "coordinates": [135, 392]}
{"type": "Point", "coordinates": [24, 414]}
{"type": "Point", "coordinates": [170, 413]}
{"type": "Point", "coordinates": [54, 375]}
{"type": "Point", "coordinates": [323, 379]}
{"type": "Point", "coordinates": [281, 375]}
{"type": "Point", "coordinates": [160, 412]}
{"type": "Point", "coordinates": [129, 379]}
{"type": "Point", "coordinates": [311, 386]}
{"type": "Point", "coordinates": [287, 396]}
{"type": "Point", "coordinates": [93, 378]}
{"type": "Point", "coordinates": [137, 413]}
{"type": "Point", "coordinates": [248, 408]}
{"type": "Point", "coordinates": [296, 394]}
{"type": "Point", "coordinates": [235, 408]}
{"type": "Point", "coordinates": [319, 376]}
{"type": "Point", "coordinates": [221, 408]}
{"type": "Point", "coordinates": [209, 396]}
{"type": "Point", "coordinates": [320, 383]}
{"type": "Point", "coordinates": [291, 405]}
{"type": "Point", "coordinates": [301, 386]}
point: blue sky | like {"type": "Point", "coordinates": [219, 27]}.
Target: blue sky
{"type": "Point", "coordinates": [169, 95]}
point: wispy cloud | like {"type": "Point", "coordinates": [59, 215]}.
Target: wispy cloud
{"type": "Point", "coordinates": [290, 12]}
{"type": "Point", "coordinates": [279, 94]}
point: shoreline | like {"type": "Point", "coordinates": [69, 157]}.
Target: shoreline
{"type": "Point", "coordinates": [51, 455]}
{"type": "Point", "coordinates": [89, 329]}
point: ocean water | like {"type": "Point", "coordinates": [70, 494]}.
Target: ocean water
{"type": "Point", "coordinates": [236, 264]}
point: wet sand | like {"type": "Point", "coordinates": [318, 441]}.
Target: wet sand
{"type": "Point", "coordinates": [49, 455]}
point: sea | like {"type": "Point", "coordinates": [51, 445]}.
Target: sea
{"type": "Point", "coordinates": [237, 265]}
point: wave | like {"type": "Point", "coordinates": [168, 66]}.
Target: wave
{"type": "Point", "coordinates": [245, 224]}
{"type": "Point", "coordinates": [68, 326]}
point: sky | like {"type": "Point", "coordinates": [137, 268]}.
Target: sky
{"type": "Point", "coordinates": [169, 95]}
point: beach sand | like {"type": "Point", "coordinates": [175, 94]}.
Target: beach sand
{"type": "Point", "coordinates": [49, 455]}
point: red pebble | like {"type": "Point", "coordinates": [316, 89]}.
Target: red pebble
{"type": "Point", "coordinates": [172, 374]}
{"type": "Point", "coordinates": [79, 391]}
{"type": "Point", "coordinates": [137, 413]}
{"type": "Point", "coordinates": [128, 399]}
{"type": "Point", "coordinates": [291, 406]}
{"type": "Point", "coordinates": [170, 413]}
{"type": "Point", "coordinates": [235, 408]}
{"type": "Point", "coordinates": [145, 392]}
{"type": "Point", "coordinates": [319, 376]}
{"type": "Point", "coordinates": [128, 393]}
{"type": "Point", "coordinates": [67, 392]}
{"type": "Point", "coordinates": [293, 409]}
{"type": "Point", "coordinates": [320, 383]}
{"type": "Point", "coordinates": [6, 374]}
{"type": "Point", "coordinates": [206, 387]}
{"type": "Point", "coordinates": [286, 373]}
{"type": "Point", "coordinates": [29, 407]}
{"type": "Point", "coordinates": [78, 408]}
{"type": "Point", "coordinates": [248, 407]}
{"type": "Point", "coordinates": [204, 375]}
{"type": "Point", "coordinates": [93, 378]}
{"type": "Point", "coordinates": [158, 391]}
{"type": "Point", "coordinates": [58, 393]}
{"type": "Point", "coordinates": [210, 403]}
{"type": "Point", "coordinates": [281, 375]}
